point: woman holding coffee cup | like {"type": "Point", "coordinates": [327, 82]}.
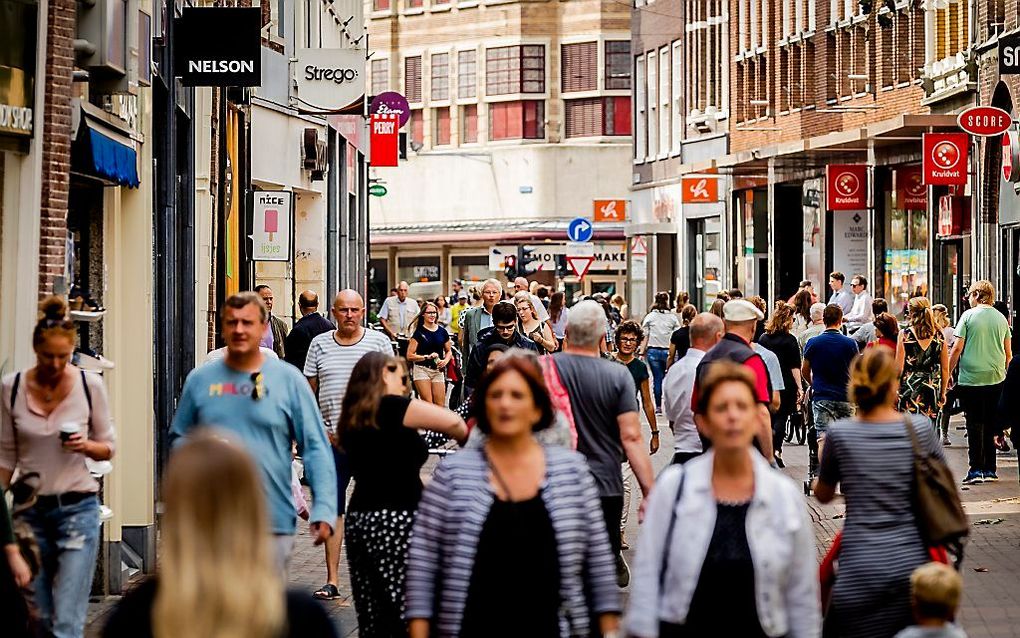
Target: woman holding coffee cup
{"type": "Point", "coordinates": [53, 417]}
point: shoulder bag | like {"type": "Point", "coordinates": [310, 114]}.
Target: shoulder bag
{"type": "Point", "coordinates": [558, 394]}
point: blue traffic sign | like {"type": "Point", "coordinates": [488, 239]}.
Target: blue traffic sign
{"type": "Point", "coordinates": [580, 229]}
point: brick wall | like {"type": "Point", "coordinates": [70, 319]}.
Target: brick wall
{"type": "Point", "coordinates": [56, 141]}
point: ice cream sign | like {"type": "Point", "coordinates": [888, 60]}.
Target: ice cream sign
{"type": "Point", "coordinates": [271, 225]}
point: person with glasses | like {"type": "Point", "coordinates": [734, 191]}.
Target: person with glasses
{"type": "Point", "coordinates": [379, 429]}
{"type": "Point", "coordinates": [430, 351]}
{"type": "Point", "coordinates": [861, 312]}
{"type": "Point", "coordinates": [537, 330]}
{"type": "Point", "coordinates": [504, 330]}
{"type": "Point", "coordinates": [269, 407]}
{"type": "Point", "coordinates": [331, 359]}
{"type": "Point", "coordinates": [983, 350]}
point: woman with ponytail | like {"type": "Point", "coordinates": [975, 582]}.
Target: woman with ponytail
{"type": "Point", "coordinates": [922, 356]}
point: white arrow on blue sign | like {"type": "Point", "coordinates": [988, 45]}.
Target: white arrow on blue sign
{"type": "Point", "coordinates": [580, 229]}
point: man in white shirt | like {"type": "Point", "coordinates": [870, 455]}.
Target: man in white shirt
{"type": "Point", "coordinates": [521, 285]}
{"type": "Point", "coordinates": [861, 312]}
{"type": "Point", "coordinates": [706, 330]}
{"type": "Point", "coordinates": [840, 295]}
{"type": "Point", "coordinates": [396, 316]}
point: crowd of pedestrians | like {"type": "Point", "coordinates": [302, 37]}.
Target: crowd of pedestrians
{"type": "Point", "coordinates": [520, 530]}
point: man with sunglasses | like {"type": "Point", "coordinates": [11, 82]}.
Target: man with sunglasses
{"type": "Point", "coordinates": [331, 358]}
{"type": "Point", "coordinates": [504, 330]}
{"type": "Point", "coordinates": [266, 404]}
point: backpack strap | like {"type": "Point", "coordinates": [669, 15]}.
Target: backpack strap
{"type": "Point", "coordinates": [88, 394]}
{"type": "Point", "coordinates": [14, 389]}
{"type": "Point", "coordinates": [14, 397]}
{"type": "Point", "coordinates": [669, 532]}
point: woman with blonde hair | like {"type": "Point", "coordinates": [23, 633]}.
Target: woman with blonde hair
{"type": "Point", "coordinates": [871, 457]}
{"type": "Point", "coordinates": [922, 356]}
{"type": "Point", "coordinates": [538, 331]}
{"type": "Point", "coordinates": [217, 576]}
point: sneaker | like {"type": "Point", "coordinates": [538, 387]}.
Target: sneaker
{"type": "Point", "coordinates": [945, 440]}
{"type": "Point", "coordinates": [991, 477]}
{"type": "Point", "coordinates": [622, 572]}
{"type": "Point", "coordinates": [974, 477]}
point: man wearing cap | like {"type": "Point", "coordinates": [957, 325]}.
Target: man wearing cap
{"type": "Point", "coordinates": [741, 316]}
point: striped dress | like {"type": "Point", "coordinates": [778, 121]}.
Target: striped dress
{"type": "Point", "coordinates": [873, 462]}
{"type": "Point", "coordinates": [452, 512]}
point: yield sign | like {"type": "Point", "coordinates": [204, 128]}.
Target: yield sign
{"type": "Point", "coordinates": [580, 265]}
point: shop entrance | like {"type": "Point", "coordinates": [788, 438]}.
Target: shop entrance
{"type": "Point", "coordinates": [951, 275]}
{"type": "Point", "coordinates": [704, 261]}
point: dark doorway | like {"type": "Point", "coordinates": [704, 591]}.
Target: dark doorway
{"type": "Point", "coordinates": [789, 242]}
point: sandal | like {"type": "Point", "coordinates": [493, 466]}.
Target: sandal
{"type": "Point", "coordinates": [328, 591]}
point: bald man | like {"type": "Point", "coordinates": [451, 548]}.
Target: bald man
{"type": "Point", "coordinates": [706, 330]}
{"type": "Point", "coordinates": [521, 285]}
{"type": "Point", "coordinates": [309, 326]}
{"type": "Point", "coordinates": [331, 358]}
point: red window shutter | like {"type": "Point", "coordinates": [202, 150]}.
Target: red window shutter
{"type": "Point", "coordinates": [621, 116]}
{"type": "Point", "coordinates": [442, 127]}
{"type": "Point", "coordinates": [469, 123]}
{"type": "Point", "coordinates": [497, 121]}
{"type": "Point", "coordinates": [417, 126]}
{"type": "Point", "coordinates": [514, 120]}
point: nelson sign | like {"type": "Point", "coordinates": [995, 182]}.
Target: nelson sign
{"type": "Point", "coordinates": [218, 46]}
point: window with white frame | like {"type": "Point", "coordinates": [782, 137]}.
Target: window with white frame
{"type": "Point", "coordinates": [706, 34]}
{"type": "Point", "coordinates": [515, 69]}
{"type": "Point", "coordinates": [664, 95]}
{"type": "Point", "coordinates": [947, 35]}
{"type": "Point", "coordinates": [676, 94]}
{"type": "Point", "coordinates": [652, 61]}
{"type": "Point", "coordinates": [440, 77]}
{"type": "Point", "coordinates": [467, 74]}
{"type": "Point", "coordinates": [640, 110]}
{"type": "Point", "coordinates": [380, 76]}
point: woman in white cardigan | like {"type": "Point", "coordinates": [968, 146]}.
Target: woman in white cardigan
{"type": "Point", "coordinates": [740, 557]}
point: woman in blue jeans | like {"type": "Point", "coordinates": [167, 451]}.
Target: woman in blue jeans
{"type": "Point", "coordinates": [53, 417]}
{"type": "Point", "coordinates": [659, 324]}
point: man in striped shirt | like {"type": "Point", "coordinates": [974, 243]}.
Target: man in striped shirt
{"type": "Point", "coordinates": [331, 358]}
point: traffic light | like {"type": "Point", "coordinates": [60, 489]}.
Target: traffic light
{"type": "Point", "coordinates": [510, 267]}
{"type": "Point", "coordinates": [527, 261]}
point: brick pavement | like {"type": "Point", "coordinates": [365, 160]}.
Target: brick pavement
{"type": "Point", "coordinates": [991, 602]}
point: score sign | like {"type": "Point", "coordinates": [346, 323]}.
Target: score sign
{"type": "Point", "coordinates": [984, 121]}
{"type": "Point", "coordinates": [945, 158]}
{"type": "Point", "coordinates": [384, 137]}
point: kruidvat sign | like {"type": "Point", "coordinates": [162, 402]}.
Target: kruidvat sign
{"type": "Point", "coordinates": [219, 46]}
{"type": "Point", "coordinates": [945, 158]}
{"type": "Point", "coordinates": [846, 187]}
{"type": "Point", "coordinates": [329, 80]}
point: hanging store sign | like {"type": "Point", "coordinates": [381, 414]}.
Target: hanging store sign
{"type": "Point", "coordinates": [850, 241]}
{"type": "Point", "coordinates": [1009, 55]}
{"type": "Point", "coordinates": [391, 103]}
{"type": "Point", "coordinates": [219, 46]}
{"type": "Point", "coordinates": [1011, 156]}
{"type": "Point", "coordinates": [984, 121]}
{"type": "Point", "coordinates": [17, 67]}
{"type": "Point", "coordinates": [954, 215]}
{"type": "Point", "coordinates": [329, 79]}
{"type": "Point", "coordinates": [911, 193]}
{"type": "Point", "coordinates": [271, 225]}
{"type": "Point", "coordinates": [609, 210]}
{"type": "Point", "coordinates": [945, 158]}
{"type": "Point", "coordinates": [846, 187]}
{"type": "Point", "coordinates": [384, 137]}
{"type": "Point", "coordinates": [699, 190]}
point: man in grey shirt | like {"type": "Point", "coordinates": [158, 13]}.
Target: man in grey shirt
{"type": "Point", "coordinates": [866, 332]}
{"type": "Point", "coordinates": [604, 404]}
{"type": "Point", "coordinates": [841, 296]}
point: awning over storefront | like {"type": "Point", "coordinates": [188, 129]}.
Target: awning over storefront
{"type": "Point", "coordinates": [105, 153]}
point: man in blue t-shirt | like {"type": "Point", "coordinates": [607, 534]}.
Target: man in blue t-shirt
{"type": "Point", "coordinates": [826, 367]}
{"type": "Point", "coordinates": [267, 404]}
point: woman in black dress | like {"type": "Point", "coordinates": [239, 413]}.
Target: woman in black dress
{"type": "Point", "coordinates": [783, 344]}
{"type": "Point", "coordinates": [377, 430]}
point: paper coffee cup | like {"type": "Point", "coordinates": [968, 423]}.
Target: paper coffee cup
{"type": "Point", "coordinates": [67, 429]}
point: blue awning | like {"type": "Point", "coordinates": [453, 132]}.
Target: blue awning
{"type": "Point", "coordinates": [113, 160]}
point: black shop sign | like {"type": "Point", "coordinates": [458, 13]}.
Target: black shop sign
{"type": "Point", "coordinates": [1009, 55]}
{"type": "Point", "coordinates": [219, 46]}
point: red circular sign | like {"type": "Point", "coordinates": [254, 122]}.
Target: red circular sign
{"type": "Point", "coordinates": [847, 184]}
{"type": "Point", "coordinates": [1007, 156]}
{"type": "Point", "coordinates": [915, 185]}
{"type": "Point", "coordinates": [945, 155]}
{"type": "Point", "coordinates": [984, 121]}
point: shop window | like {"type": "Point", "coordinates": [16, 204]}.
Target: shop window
{"type": "Point", "coordinates": [515, 69]}
{"type": "Point", "coordinates": [440, 75]}
{"type": "Point", "coordinates": [579, 64]}
{"type": "Point", "coordinates": [906, 254]}
{"type": "Point", "coordinates": [441, 127]}
{"type": "Point", "coordinates": [591, 117]}
{"type": "Point", "coordinates": [467, 74]}
{"type": "Point", "coordinates": [470, 268]}
{"type": "Point", "coordinates": [380, 76]}
{"type": "Point", "coordinates": [418, 269]}
{"type": "Point", "coordinates": [517, 120]}
{"type": "Point", "coordinates": [469, 124]}
{"type": "Point", "coordinates": [412, 79]}
{"type": "Point", "coordinates": [618, 65]}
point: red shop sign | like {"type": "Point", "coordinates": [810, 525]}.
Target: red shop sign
{"type": "Point", "coordinates": [984, 121]}
{"type": "Point", "coordinates": [911, 193]}
{"type": "Point", "coordinates": [946, 158]}
{"type": "Point", "coordinates": [846, 186]}
{"type": "Point", "coordinates": [384, 139]}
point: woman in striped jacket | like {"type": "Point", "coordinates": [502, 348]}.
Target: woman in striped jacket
{"type": "Point", "coordinates": [509, 539]}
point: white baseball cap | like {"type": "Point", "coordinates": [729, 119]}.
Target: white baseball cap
{"type": "Point", "coordinates": [741, 310]}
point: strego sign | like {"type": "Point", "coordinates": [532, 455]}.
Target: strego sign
{"type": "Point", "coordinates": [219, 46]}
{"type": "Point", "coordinates": [945, 159]}
{"type": "Point", "coordinates": [984, 121]}
{"type": "Point", "coordinates": [846, 186]}
{"type": "Point", "coordinates": [329, 79]}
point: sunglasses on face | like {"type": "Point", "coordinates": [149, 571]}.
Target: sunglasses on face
{"type": "Point", "coordinates": [258, 390]}
{"type": "Point", "coordinates": [508, 328]}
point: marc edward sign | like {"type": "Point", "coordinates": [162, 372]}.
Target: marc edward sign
{"type": "Point", "coordinates": [219, 46]}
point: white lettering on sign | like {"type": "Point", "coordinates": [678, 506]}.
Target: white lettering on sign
{"type": "Point", "coordinates": [384, 127]}
{"type": "Point", "coordinates": [1011, 55]}
{"type": "Point", "coordinates": [221, 66]}
{"type": "Point", "coordinates": [338, 76]}
{"type": "Point", "coordinates": [987, 121]}
{"type": "Point", "coordinates": [18, 118]}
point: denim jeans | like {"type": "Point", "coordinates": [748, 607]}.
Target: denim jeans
{"type": "Point", "coordinates": [68, 540]}
{"type": "Point", "coordinates": [827, 412]}
{"type": "Point", "coordinates": [657, 358]}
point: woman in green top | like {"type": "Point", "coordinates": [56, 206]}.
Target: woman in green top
{"type": "Point", "coordinates": [983, 351]}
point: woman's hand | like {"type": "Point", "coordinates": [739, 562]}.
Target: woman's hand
{"type": "Point", "coordinates": [653, 443]}
{"type": "Point", "coordinates": [442, 363]}
{"type": "Point", "coordinates": [19, 568]}
{"type": "Point", "coordinates": [78, 443]}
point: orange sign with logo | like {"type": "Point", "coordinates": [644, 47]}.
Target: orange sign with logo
{"type": "Point", "coordinates": [609, 210]}
{"type": "Point", "coordinates": [699, 190]}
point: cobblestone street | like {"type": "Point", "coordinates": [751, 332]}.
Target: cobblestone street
{"type": "Point", "coordinates": [991, 570]}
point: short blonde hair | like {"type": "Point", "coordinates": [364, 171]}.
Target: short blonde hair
{"type": "Point", "coordinates": [935, 591]}
{"type": "Point", "coordinates": [985, 291]}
